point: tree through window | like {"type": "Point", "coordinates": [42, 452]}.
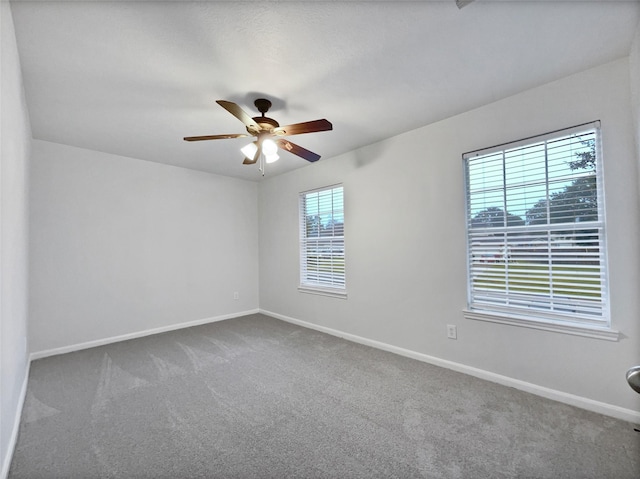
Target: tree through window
{"type": "Point", "coordinates": [535, 228]}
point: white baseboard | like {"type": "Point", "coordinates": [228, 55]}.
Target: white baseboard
{"type": "Point", "coordinates": [618, 412]}
{"type": "Point", "coordinates": [13, 439]}
{"type": "Point", "coordinates": [6, 464]}
{"type": "Point", "coordinates": [137, 334]}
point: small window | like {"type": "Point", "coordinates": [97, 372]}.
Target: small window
{"type": "Point", "coordinates": [536, 231]}
{"type": "Point", "coordinates": [322, 266]}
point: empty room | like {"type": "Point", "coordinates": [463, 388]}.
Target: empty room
{"type": "Point", "coordinates": [309, 239]}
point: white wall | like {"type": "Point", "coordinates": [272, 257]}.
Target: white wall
{"type": "Point", "coordinates": [634, 70]}
{"type": "Point", "coordinates": [120, 246]}
{"type": "Point", "coordinates": [15, 140]}
{"type": "Point", "coordinates": [405, 241]}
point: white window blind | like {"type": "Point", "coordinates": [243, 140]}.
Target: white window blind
{"type": "Point", "coordinates": [535, 228]}
{"type": "Point", "coordinates": [322, 238]}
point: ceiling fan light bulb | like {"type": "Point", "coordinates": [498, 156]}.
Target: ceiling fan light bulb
{"type": "Point", "coordinates": [249, 150]}
{"type": "Point", "coordinates": [269, 147]}
{"type": "Point", "coordinates": [271, 158]}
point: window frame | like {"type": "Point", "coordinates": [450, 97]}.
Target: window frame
{"type": "Point", "coordinates": [596, 326]}
{"type": "Point", "coordinates": [328, 284]}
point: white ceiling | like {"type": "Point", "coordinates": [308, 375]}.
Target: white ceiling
{"type": "Point", "coordinates": [134, 78]}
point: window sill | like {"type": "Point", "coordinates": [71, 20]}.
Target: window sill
{"type": "Point", "coordinates": [544, 325]}
{"type": "Point", "coordinates": [331, 292]}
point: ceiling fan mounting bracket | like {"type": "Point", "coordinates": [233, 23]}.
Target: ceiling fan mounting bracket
{"type": "Point", "coordinates": [262, 104]}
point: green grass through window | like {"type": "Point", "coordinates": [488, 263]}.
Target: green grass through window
{"type": "Point", "coordinates": [567, 280]}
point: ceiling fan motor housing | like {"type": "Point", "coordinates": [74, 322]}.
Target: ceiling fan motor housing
{"type": "Point", "coordinates": [266, 123]}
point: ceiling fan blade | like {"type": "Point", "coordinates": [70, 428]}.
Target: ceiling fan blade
{"type": "Point", "coordinates": [247, 161]}
{"type": "Point", "coordinates": [214, 137]}
{"type": "Point", "coordinates": [298, 150]}
{"type": "Point", "coordinates": [239, 113]}
{"type": "Point", "coordinates": [306, 127]}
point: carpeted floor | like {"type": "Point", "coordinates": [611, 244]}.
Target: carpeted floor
{"type": "Point", "coordinates": [255, 397]}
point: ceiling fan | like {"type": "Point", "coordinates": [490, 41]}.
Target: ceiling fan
{"type": "Point", "coordinates": [268, 133]}
{"type": "Point", "coordinates": [463, 3]}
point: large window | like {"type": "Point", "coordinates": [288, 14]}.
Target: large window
{"type": "Point", "coordinates": [535, 231]}
{"type": "Point", "coordinates": [322, 241]}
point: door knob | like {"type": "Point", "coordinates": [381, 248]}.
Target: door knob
{"type": "Point", "coordinates": [633, 378]}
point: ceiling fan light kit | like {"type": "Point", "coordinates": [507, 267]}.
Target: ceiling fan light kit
{"type": "Point", "coordinates": [249, 150]}
{"type": "Point", "coordinates": [269, 146]}
{"type": "Point", "coordinates": [265, 129]}
{"type": "Point", "coordinates": [271, 158]}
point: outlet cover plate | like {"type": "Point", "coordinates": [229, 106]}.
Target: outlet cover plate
{"type": "Point", "coordinates": [452, 331]}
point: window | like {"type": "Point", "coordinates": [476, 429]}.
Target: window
{"type": "Point", "coordinates": [535, 233]}
{"type": "Point", "coordinates": [322, 241]}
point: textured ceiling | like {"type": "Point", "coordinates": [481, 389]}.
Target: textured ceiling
{"type": "Point", "coordinates": [134, 78]}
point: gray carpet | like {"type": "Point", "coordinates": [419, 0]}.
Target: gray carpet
{"type": "Point", "coordinates": [255, 397]}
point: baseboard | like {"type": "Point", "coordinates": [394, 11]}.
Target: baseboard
{"type": "Point", "coordinates": [13, 439]}
{"type": "Point", "coordinates": [624, 414]}
{"type": "Point", "coordinates": [138, 334]}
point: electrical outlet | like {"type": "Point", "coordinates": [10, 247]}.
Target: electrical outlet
{"type": "Point", "coordinates": [236, 295]}
{"type": "Point", "coordinates": [452, 331]}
